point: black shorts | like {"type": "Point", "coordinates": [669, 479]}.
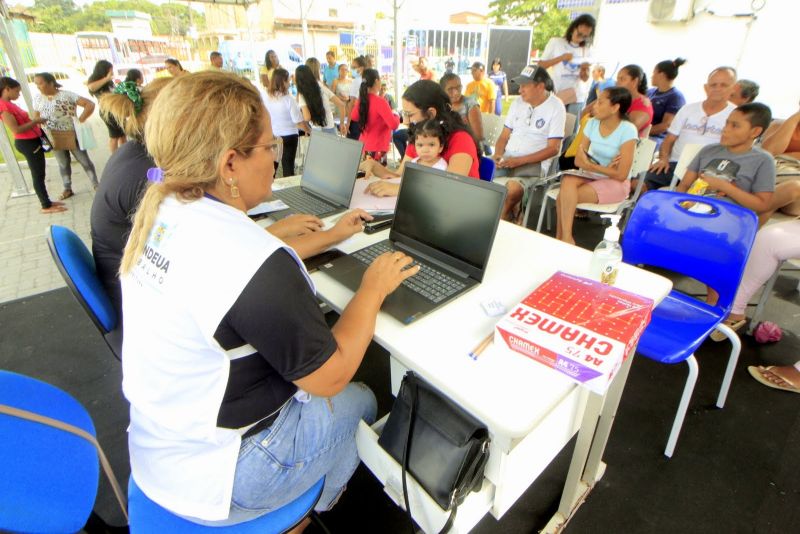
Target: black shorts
{"type": "Point", "coordinates": [114, 129]}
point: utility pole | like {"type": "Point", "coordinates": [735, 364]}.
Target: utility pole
{"type": "Point", "coordinates": [398, 40]}
{"type": "Point", "coordinates": [304, 25]}
{"type": "Point", "coordinates": [20, 187]}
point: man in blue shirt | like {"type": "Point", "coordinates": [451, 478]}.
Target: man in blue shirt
{"type": "Point", "coordinates": [330, 70]}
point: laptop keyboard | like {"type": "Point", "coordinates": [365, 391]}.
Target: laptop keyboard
{"type": "Point", "coordinates": [429, 283]}
{"type": "Point", "coordinates": [302, 202]}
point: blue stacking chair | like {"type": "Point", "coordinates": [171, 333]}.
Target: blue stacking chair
{"type": "Point", "coordinates": [146, 516]}
{"type": "Point", "coordinates": [709, 247]}
{"type": "Point", "coordinates": [49, 475]}
{"type": "Point", "coordinates": [486, 169]}
{"type": "Point", "coordinates": [76, 265]}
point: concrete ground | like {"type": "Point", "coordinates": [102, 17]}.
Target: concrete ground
{"type": "Point", "coordinates": [26, 267]}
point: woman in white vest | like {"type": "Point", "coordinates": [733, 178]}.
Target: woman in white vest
{"type": "Point", "coordinates": [240, 394]}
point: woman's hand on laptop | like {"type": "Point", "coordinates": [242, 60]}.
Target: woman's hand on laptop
{"type": "Point", "coordinates": [387, 272]}
{"type": "Point", "coordinates": [295, 225]}
{"type": "Point", "coordinates": [383, 189]}
{"type": "Point", "coordinates": [350, 223]}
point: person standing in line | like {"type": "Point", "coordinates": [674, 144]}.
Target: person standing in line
{"type": "Point", "coordinates": [481, 88]}
{"type": "Point", "coordinates": [286, 118]}
{"type": "Point", "coordinates": [27, 140]}
{"type": "Point", "coordinates": [58, 108]}
{"type": "Point", "coordinates": [422, 68]}
{"type": "Point", "coordinates": [271, 63]}
{"type": "Point", "coordinates": [330, 70]}
{"type": "Point", "coordinates": [316, 101]}
{"type": "Point", "coordinates": [357, 68]}
{"type": "Point", "coordinates": [175, 68]}
{"type": "Point", "coordinates": [216, 60]}
{"type": "Point", "coordinates": [101, 82]}
{"type": "Point", "coordinates": [375, 118]}
{"type": "Point", "coordinates": [498, 77]}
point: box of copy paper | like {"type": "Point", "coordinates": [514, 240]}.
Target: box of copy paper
{"type": "Point", "coordinates": [576, 326]}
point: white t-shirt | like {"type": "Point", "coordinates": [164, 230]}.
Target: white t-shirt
{"type": "Point", "coordinates": [531, 127]}
{"type": "Point", "coordinates": [284, 114]}
{"type": "Point", "coordinates": [693, 126]}
{"type": "Point", "coordinates": [441, 164]}
{"type": "Point", "coordinates": [175, 372]}
{"type": "Point", "coordinates": [565, 73]}
{"type": "Point", "coordinates": [327, 94]}
{"type": "Point", "coordinates": [355, 86]}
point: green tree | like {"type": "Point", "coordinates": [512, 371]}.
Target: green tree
{"type": "Point", "coordinates": [542, 15]}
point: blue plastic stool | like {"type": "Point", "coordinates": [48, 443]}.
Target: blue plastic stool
{"type": "Point", "coordinates": [146, 516]}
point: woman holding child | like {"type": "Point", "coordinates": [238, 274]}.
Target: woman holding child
{"type": "Point", "coordinates": [425, 100]}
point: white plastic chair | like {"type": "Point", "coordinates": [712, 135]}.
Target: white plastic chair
{"type": "Point", "coordinates": [492, 128]}
{"type": "Point", "coordinates": [687, 155]}
{"type": "Point", "coordinates": [641, 163]}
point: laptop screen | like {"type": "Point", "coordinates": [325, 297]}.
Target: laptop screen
{"type": "Point", "coordinates": [451, 214]}
{"type": "Point", "coordinates": [331, 165]}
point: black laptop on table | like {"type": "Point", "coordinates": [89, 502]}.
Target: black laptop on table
{"type": "Point", "coordinates": [447, 223]}
{"type": "Point", "coordinates": [329, 175]}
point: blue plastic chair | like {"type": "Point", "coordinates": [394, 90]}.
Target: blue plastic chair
{"type": "Point", "coordinates": [49, 476]}
{"type": "Point", "coordinates": [76, 265]}
{"type": "Point", "coordinates": [146, 516]}
{"type": "Point", "coordinates": [709, 247]}
{"type": "Point", "coordinates": [486, 168]}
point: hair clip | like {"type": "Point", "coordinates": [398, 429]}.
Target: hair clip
{"type": "Point", "coordinates": [155, 175]}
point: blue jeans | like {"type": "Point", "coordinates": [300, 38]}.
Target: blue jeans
{"type": "Point", "coordinates": [306, 442]}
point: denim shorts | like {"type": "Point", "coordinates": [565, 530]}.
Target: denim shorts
{"type": "Point", "coordinates": [307, 441]}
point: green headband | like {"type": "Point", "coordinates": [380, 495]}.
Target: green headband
{"type": "Point", "coordinates": [131, 90]}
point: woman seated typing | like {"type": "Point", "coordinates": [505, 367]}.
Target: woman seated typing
{"type": "Point", "coordinates": [607, 152]}
{"type": "Point", "coordinates": [240, 394]}
{"type": "Point", "coordinates": [425, 100]}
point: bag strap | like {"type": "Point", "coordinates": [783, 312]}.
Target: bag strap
{"type": "Point", "coordinates": [411, 382]}
{"type": "Point", "coordinates": [66, 427]}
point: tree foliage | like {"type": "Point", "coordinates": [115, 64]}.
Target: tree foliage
{"type": "Point", "coordinates": [542, 15]}
{"type": "Point", "coordinates": [64, 16]}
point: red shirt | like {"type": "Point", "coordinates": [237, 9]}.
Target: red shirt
{"type": "Point", "coordinates": [459, 142]}
{"type": "Point", "coordinates": [22, 117]}
{"type": "Point", "coordinates": [381, 121]}
{"type": "Point", "coordinates": [642, 104]}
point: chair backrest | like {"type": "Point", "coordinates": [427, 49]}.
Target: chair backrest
{"type": "Point", "coordinates": [569, 124]}
{"type": "Point", "coordinates": [486, 169]}
{"type": "Point", "coordinates": [687, 155]}
{"type": "Point", "coordinates": [77, 267]}
{"type": "Point", "coordinates": [709, 247]}
{"type": "Point", "coordinates": [492, 127]}
{"type": "Point", "coordinates": [50, 477]}
{"type": "Point", "coordinates": [646, 133]}
{"type": "Point", "coordinates": [642, 158]}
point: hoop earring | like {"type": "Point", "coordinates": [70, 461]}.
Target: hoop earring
{"type": "Point", "coordinates": [234, 189]}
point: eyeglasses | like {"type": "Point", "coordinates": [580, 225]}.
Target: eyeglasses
{"type": "Point", "coordinates": [276, 146]}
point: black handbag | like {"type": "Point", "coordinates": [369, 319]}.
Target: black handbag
{"type": "Point", "coordinates": [443, 447]}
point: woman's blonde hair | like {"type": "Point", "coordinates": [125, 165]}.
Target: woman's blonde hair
{"type": "Point", "coordinates": [121, 108]}
{"type": "Point", "coordinates": [193, 122]}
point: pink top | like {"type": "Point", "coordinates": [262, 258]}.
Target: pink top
{"type": "Point", "coordinates": [22, 117]}
{"type": "Point", "coordinates": [642, 104]}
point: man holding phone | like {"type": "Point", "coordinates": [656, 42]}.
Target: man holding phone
{"type": "Point", "coordinates": [532, 134]}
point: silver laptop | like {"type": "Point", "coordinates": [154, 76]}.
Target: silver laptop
{"type": "Point", "coordinates": [329, 175]}
{"type": "Point", "coordinates": [447, 223]}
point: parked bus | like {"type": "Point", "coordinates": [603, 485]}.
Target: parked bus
{"type": "Point", "coordinates": [146, 54]}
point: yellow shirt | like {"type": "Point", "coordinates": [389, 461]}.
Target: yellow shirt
{"type": "Point", "coordinates": [484, 91]}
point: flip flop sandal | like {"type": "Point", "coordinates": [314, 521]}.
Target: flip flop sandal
{"type": "Point", "coordinates": [757, 372]}
{"type": "Point", "coordinates": [66, 194]}
{"type": "Point", "coordinates": [716, 335]}
{"type": "Point", "coordinates": [53, 209]}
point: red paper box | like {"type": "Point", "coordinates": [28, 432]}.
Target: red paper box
{"type": "Point", "coordinates": [579, 327]}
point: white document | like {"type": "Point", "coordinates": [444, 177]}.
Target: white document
{"type": "Point", "coordinates": [268, 207]}
{"type": "Point", "coordinates": [369, 202]}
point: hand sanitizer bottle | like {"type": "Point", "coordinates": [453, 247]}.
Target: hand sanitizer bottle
{"type": "Point", "coordinates": [607, 255]}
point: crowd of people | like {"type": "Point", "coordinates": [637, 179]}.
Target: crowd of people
{"type": "Point", "coordinates": [240, 393]}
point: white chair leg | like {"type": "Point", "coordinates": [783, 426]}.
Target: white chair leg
{"type": "Point", "coordinates": [762, 300]}
{"type": "Point", "coordinates": [541, 212]}
{"type": "Point", "coordinates": [683, 406]}
{"type": "Point", "coordinates": [732, 360]}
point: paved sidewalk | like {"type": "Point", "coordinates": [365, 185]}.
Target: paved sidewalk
{"type": "Point", "coordinates": [26, 267]}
